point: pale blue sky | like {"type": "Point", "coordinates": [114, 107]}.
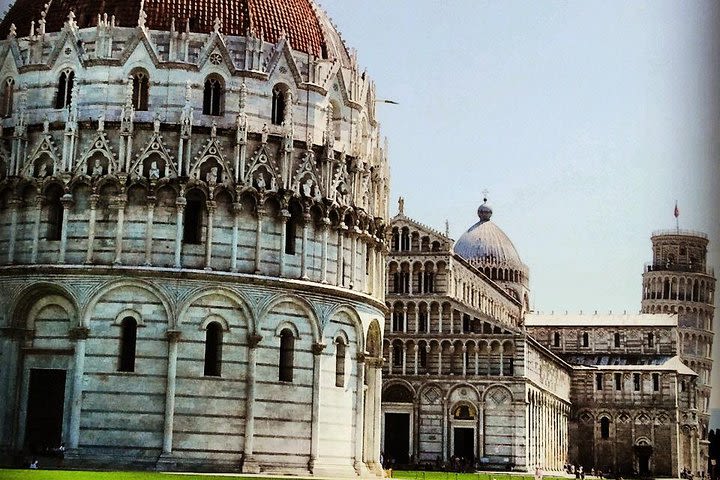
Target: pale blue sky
{"type": "Point", "coordinates": [585, 121]}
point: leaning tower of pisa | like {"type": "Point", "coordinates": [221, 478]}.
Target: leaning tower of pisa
{"type": "Point", "coordinates": [679, 281]}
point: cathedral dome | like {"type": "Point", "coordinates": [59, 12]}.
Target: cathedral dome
{"type": "Point", "coordinates": [485, 244]}
{"type": "Point", "coordinates": [305, 26]}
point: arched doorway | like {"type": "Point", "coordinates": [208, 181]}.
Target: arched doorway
{"type": "Point", "coordinates": [397, 406]}
{"type": "Point", "coordinates": [643, 451]}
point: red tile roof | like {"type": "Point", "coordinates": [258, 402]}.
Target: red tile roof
{"type": "Point", "coordinates": [267, 17]}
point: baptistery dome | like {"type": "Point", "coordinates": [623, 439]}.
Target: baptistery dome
{"type": "Point", "coordinates": [488, 248]}
{"type": "Point", "coordinates": [193, 199]}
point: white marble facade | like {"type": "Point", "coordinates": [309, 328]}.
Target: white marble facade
{"type": "Point", "coordinates": [215, 204]}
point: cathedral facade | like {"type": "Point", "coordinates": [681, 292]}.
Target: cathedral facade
{"type": "Point", "coordinates": [192, 238]}
{"type": "Point", "coordinates": [473, 377]}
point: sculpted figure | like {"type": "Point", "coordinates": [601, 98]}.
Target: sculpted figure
{"type": "Point", "coordinates": [97, 169]}
{"type": "Point", "coordinates": [260, 182]}
{"type": "Point", "coordinates": [43, 171]}
{"type": "Point", "coordinates": [307, 187]}
{"type": "Point", "coordinates": [154, 173]}
{"type": "Point", "coordinates": [264, 134]}
{"type": "Point", "coordinates": [212, 175]}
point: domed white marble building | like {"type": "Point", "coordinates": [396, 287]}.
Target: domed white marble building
{"type": "Point", "coordinates": [193, 198]}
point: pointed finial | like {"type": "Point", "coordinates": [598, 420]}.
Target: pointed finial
{"type": "Point", "coordinates": [13, 31]}
{"type": "Point", "coordinates": [142, 16]}
{"type": "Point", "coordinates": [485, 195]}
{"type": "Point", "coordinates": [32, 28]}
{"type": "Point", "coordinates": [401, 206]}
{"type": "Point", "coordinates": [217, 24]}
{"type": "Point", "coordinates": [447, 228]}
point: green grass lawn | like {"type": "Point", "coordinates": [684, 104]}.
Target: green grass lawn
{"type": "Point", "coordinates": [27, 474]}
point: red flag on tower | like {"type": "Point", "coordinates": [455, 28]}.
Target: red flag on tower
{"type": "Point", "coordinates": [677, 211]}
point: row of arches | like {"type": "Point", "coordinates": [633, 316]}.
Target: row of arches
{"type": "Point", "coordinates": [417, 277]}
{"type": "Point", "coordinates": [435, 317]}
{"type": "Point", "coordinates": [214, 88]}
{"type": "Point", "coordinates": [223, 231]}
{"type": "Point", "coordinates": [403, 239]}
{"type": "Point", "coordinates": [687, 289]}
{"type": "Point", "coordinates": [447, 357]}
{"type": "Point", "coordinates": [474, 293]}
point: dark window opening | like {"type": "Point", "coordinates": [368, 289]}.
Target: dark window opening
{"type": "Point", "coordinates": [64, 91]}
{"type": "Point", "coordinates": [56, 213]}
{"type": "Point", "coordinates": [423, 320]}
{"type": "Point", "coordinates": [141, 90]}
{"type": "Point", "coordinates": [278, 105]}
{"type": "Point", "coordinates": [605, 428]}
{"type": "Point", "coordinates": [466, 323]}
{"type": "Point", "coordinates": [397, 355]}
{"type": "Point", "coordinates": [398, 321]}
{"type": "Point", "coordinates": [585, 340]}
{"type": "Point", "coordinates": [339, 363]}
{"type": "Point", "coordinates": [192, 223]}
{"type": "Point", "coordinates": [290, 235]}
{"type": "Point", "coordinates": [7, 97]}
{"type": "Point", "coordinates": [636, 382]}
{"type": "Point", "coordinates": [212, 96]}
{"type": "Point", "coordinates": [598, 381]}
{"type": "Point", "coordinates": [618, 381]}
{"type": "Point", "coordinates": [617, 340]}
{"type": "Point", "coordinates": [651, 340]}
{"type": "Point", "coordinates": [287, 347]}
{"type": "Point", "coordinates": [556, 339]}
{"type": "Point", "coordinates": [423, 357]}
{"type": "Point", "coordinates": [213, 350]}
{"type": "Point", "coordinates": [656, 382]}
{"type": "Point", "coordinates": [128, 340]}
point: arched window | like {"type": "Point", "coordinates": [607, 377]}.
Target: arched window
{"type": "Point", "coordinates": [423, 357]}
{"type": "Point", "coordinates": [213, 349]}
{"type": "Point", "coordinates": [64, 90]}
{"type": "Point", "coordinates": [287, 347]}
{"type": "Point", "coordinates": [556, 339]}
{"type": "Point", "coordinates": [193, 218]}
{"type": "Point", "coordinates": [278, 104]}
{"type": "Point", "coordinates": [213, 96]}
{"type": "Point", "coordinates": [339, 362]}
{"type": "Point", "coordinates": [8, 93]}
{"type": "Point", "coordinates": [55, 214]}
{"type": "Point", "coordinates": [141, 89]}
{"type": "Point", "coordinates": [604, 428]}
{"type": "Point", "coordinates": [128, 339]}
{"type": "Point", "coordinates": [585, 340]}
{"type": "Point", "coordinates": [397, 355]}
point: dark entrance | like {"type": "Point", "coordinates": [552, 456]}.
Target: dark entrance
{"type": "Point", "coordinates": [397, 438]}
{"type": "Point", "coordinates": [464, 443]}
{"type": "Point", "coordinates": [46, 398]}
{"type": "Point", "coordinates": [643, 453]}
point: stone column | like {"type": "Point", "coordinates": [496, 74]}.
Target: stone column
{"type": "Point", "coordinates": [237, 210]}
{"type": "Point", "coordinates": [119, 232]}
{"type": "Point", "coordinates": [377, 414]}
{"type": "Point", "coordinates": [66, 201]}
{"type": "Point", "coordinates": [80, 335]}
{"type": "Point", "coordinates": [416, 348]}
{"type": "Point", "coordinates": [173, 337]}
{"type": "Point", "coordinates": [405, 319]}
{"type": "Point", "coordinates": [180, 203]}
{"type": "Point", "coordinates": [11, 338]}
{"type": "Point", "coordinates": [36, 228]}
{"type": "Point", "coordinates": [317, 350]}
{"type": "Point", "coordinates": [323, 265]}
{"type": "Point", "coordinates": [303, 260]}
{"type": "Point", "coordinates": [13, 204]}
{"type": "Point", "coordinates": [464, 362]}
{"type": "Point", "coordinates": [445, 430]}
{"type": "Point", "coordinates": [421, 279]}
{"type": "Point", "coordinates": [440, 317]}
{"type": "Point", "coordinates": [94, 198]}
{"type": "Point", "coordinates": [353, 256]}
{"type": "Point", "coordinates": [340, 281]}
{"type": "Point", "coordinates": [359, 413]}
{"type": "Point", "coordinates": [372, 274]}
{"type": "Point", "coordinates": [404, 358]}
{"type": "Point", "coordinates": [209, 240]}
{"type": "Point", "coordinates": [258, 238]}
{"type": "Point", "coordinates": [250, 465]}
{"type": "Point", "coordinates": [452, 319]}
{"type": "Point", "coordinates": [149, 230]}
{"type": "Point", "coordinates": [284, 218]}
